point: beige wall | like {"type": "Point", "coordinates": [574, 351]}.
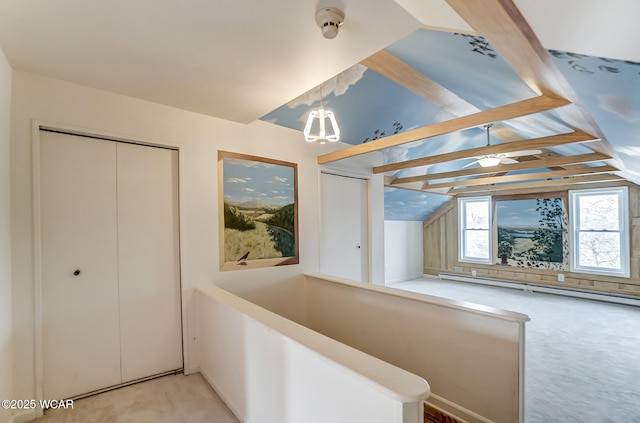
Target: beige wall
{"type": "Point", "coordinates": [6, 333]}
{"type": "Point", "coordinates": [402, 250]}
{"type": "Point", "coordinates": [462, 350]}
{"type": "Point", "coordinates": [199, 138]}
{"type": "Point", "coordinates": [440, 239]}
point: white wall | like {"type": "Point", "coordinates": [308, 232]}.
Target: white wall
{"type": "Point", "coordinates": [6, 334]}
{"type": "Point", "coordinates": [198, 137]}
{"type": "Point", "coordinates": [267, 368]}
{"type": "Point", "coordinates": [402, 250]}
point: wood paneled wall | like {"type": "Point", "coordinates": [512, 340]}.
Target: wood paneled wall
{"type": "Point", "coordinates": [440, 238]}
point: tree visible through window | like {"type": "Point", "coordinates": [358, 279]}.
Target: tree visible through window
{"type": "Point", "coordinates": [475, 234]}
{"type": "Point", "coordinates": [600, 235]}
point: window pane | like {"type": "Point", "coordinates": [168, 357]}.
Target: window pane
{"type": "Point", "coordinates": [599, 212]}
{"type": "Point", "coordinates": [599, 249]}
{"type": "Point", "coordinates": [477, 215]}
{"type": "Point", "coordinates": [474, 229]}
{"type": "Point", "coordinates": [477, 244]}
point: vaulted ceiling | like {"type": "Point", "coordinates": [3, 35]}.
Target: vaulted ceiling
{"type": "Point", "coordinates": [422, 106]}
{"type": "Point", "coordinates": [413, 82]}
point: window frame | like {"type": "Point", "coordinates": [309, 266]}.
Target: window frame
{"type": "Point", "coordinates": [623, 229]}
{"type": "Point", "coordinates": [462, 230]}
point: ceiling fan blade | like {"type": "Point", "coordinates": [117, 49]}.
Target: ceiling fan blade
{"type": "Point", "coordinates": [471, 163]}
{"type": "Point", "coordinates": [507, 160]}
{"type": "Point", "coordinates": [521, 153]}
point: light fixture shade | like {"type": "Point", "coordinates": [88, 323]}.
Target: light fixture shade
{"type": "Point", "coordinates": [321, 126]}
{"type": "Point", "coordinates": [489, 161]}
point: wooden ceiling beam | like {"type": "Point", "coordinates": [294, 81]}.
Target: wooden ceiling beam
{"type": "Point", "coordinates": [509, 111]}
{"type": "Point", "coordinates": [523, 177]}
{"type": "Point", "coordinates": [530, 164]}
{"type": "Point", "coordinates": [394, 69]}
{"type": "Point", "coordinates": [503, 26]}
{"type": "Point", "coordinates": [414, 186]}
{"type": "Point", "coordinates": [538, 186]}
{"type": "Point", "coordinates": [387, 65]}
{"type": "Point", "coordinates": [544, 142]}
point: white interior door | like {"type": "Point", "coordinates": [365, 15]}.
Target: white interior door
{"type": "Point", "coordinates": [81, 338]}
{"type": "Point", "coordinates": [149, 264]}
{"type": "Point", "coordinates": [343, 231]}
{"type": "Point", "coordinates": [110, 263]}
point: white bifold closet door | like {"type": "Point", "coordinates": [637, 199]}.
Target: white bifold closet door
{"type": "Point", "coordinates": [148, 261]}
{"type": "Point", "coordinates": [81, 334]}
{"type": "Point", "coordinates": [110, 263]}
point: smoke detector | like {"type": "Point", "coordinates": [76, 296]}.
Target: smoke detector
{"type": "Point", "coordinates": [329, 19]}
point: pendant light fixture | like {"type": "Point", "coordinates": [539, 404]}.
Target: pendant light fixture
{"type": "Point", "coordinates": [321, 125]}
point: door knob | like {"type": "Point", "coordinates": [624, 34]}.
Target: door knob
{"type": "Point", "coordinates": [76, 272]}
{"type": "Point", "coordinates": [357, 246]}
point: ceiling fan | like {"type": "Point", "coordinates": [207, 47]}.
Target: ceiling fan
{"type": "Point", "coordinates": [500, 158]}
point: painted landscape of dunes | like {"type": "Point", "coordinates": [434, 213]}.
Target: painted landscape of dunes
{"type": "Point", "coordinates": [259, 212]}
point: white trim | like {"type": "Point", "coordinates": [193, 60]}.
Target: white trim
{"type": "Point", "coordinates": [24, 416]}
{"type": "Point", "coordinates": [186, 364]}
{"type": "Point", "coordinates": [37, 266]}
{"type": "Point", "coordinates": [36, 127]}
{"type": "Point", "coordinates": [392, 381]}
{"type": "Point", "coordinates": [237, 411]}
{"type": "Point", "coordinates": [191, 370]}
{"type": "Point", "coordinates": [623, 208]}
{"type": "Point", "coordinates": [461, 229]}
{"type": "Point", "coordinates": [530, 287]}
{"type": "Point", "coordinates": [521, 370]}
{"type": "Point", "coordinates": [509, 316]}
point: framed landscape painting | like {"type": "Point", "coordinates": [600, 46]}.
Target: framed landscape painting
{"type": "Point", "coordinates": [258, 211]}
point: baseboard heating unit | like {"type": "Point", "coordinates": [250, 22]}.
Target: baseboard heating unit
{"type": "Point", "coordinates": [531, 287]}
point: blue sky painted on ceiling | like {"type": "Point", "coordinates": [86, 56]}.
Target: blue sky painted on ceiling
{"type": "Point", "coordinates": [610, 90]}
{"type": "Point", "coordinates": [368, 106]}
{"type": "Point", "coordinates": [400, 203]}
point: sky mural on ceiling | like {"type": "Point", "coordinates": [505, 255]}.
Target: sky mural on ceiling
{"type": "Point", "coordinates": [369, 106]}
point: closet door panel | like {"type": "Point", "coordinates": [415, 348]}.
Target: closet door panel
{"type": "Point", "coordinates": [148, 255]}
{"type": "Point", "coordinates": [81, 339]}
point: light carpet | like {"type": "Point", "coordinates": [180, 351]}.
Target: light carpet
{"type": "Point", "coordinates": [168, 399]}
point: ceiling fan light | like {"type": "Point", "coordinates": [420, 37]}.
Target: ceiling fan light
{"type": "Point", "coordinates": [489, 161]}
{"type": "Point", "coordinates": [321, 127]}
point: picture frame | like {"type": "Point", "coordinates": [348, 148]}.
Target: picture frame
{"type": "Point", "coordinates": [258, 211]}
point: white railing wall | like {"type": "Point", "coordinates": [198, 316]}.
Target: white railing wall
{"type": "Point", "coordinates": [472, 355]}
{"type": "Point", "coordinates": [269, 369]}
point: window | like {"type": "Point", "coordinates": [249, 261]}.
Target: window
{"type": "Point", "coordinates": [475, 233]}
{"type": "Point", "coordinates": [599, 223]}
